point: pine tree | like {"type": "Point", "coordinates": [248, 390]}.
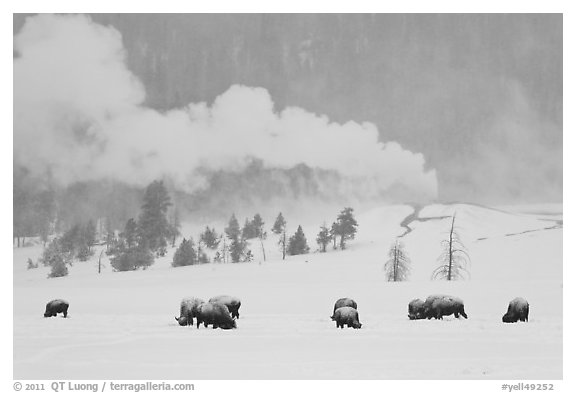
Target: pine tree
{"type": "Point", "coordinates": [248, 230]}
{"type": "Point", "coordinates": [210, 238]}
{"type": "Point", "coordinates": [279, 228]}
{"type": "Point", "coordinates": [185, 255]}
{"type": "Point", "coordinates": [334, 234]}
{"type": "Point", "coordinates": [57, 257]}
{"type": "Point", "coordinates": [153, 224]}
{"type": "Point", "coordinates": [323, 238]}
{"type": "Point", "coordinates": [454, 258]}
{"type": "Point", "coordinates": [297, 244]}
{"type": "Point", "coordinates": [346, 226]}
{"type": "Point", "coordinates": [279, 224]}
{"type": "Point", "coordinates": [398, 265]}
{"type": "Point", "coordinates": [237, 247]}
{"type": "Point", "coordinates": [130, 234]}
{"type": "Point", "coordinates": [128, 259]}
{"type": "Point", "coordinates": [260, 234]}
{"type": "Point", "coordinates": [90, 234]}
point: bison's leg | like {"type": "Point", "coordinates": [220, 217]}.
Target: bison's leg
{"type": "Point", "coordinates": [65, 312]}
{"type": "Point", "coordinates": [205, 324]}
{"type": "Point", "coordinates": [214, 326]}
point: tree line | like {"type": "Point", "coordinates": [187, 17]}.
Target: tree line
{"type": "Point", "coordinates": [147, 237]}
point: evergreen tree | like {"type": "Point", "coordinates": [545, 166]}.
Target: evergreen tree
{"type": "Point", "coordinates": [260, 234]}
{"type": "Point", "coordinates": [279, 225]}
{"type": "Point", "coordinates": [57, 257]}
{"type": "Point", "coordinates": [130, 234]}
{"type": "Point", "coordinates": [279, 228]}
{"type": "Point", "coordinates": [323, 238]}
{"type": "Point", "coordinates": [297, 244]}
{"type": "Point", "coordinates": [334, 231]}
{"type": "Point", "coordinates": [248, 230]}
{"type": "Point", "coordinates": [127, 259]}
{"type": "Point", "coordinates": [90, 234]}
{"type": "Point", "coordinates": [237, 247]}
{"type": "Point", "coordinates": [210, 238]}
{"type": "Point", "coordinates": [346, 226]}
{"type": "Point", "coordinates": [185, 254]}
{"type": "Point", "coordinates": [72, 239]}
{"type": "Point", "coordinates": [398, 265]}
{"type": "Point", "coordinates": [59, 269]}
{"type": "Point", "coordinates": [232, 231]}
{"type": "Point", "coordinates": [153, 225]}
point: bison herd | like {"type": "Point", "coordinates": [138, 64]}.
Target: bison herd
{"type": "Point", "coordinates": [222, 311]}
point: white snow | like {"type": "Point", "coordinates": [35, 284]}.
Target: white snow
{"type": "Point", "coordinates": [121, 325]}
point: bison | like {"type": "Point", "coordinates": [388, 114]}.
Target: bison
{"type": "Point", "coordinates": [346, 316]}
{"type": "Point", "coordinates": [188, 310]}
{"type": "Point", "coordinates": [215, 314]}
{"type": "Point", "coordinates": [345, 302]}
{"type": "Point", "coordinates": [437, 306]}
{"type": "Point", "coordinates": [416, 309]}
{"type": "Point", "coordinates": [232, 303]}
{"type": "Point", "coordinates": [56, 306]}
{"type": "Point", "coordinates": [517, 311]}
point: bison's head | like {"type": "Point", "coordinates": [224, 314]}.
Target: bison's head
{"type": "Point", "coordinates": [356, 325]}
{"type": "Point", "coordinates": [47, 314]}
{"type": "Point", "coordinates": [229, 325]}
{"type": "Point", "coordinates": [507, 318]}
{"type": "Point", "coordinates": [182, 321]}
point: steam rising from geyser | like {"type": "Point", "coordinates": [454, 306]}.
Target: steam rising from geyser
{"type": "Point", "coordinates": [79, 115]}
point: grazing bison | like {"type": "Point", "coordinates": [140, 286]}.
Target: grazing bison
{"type": "Point", "coordinates": [345, 302]}
{"type": "Point", "coordinates": [517, 310]}
{"type": "Point", "coordinates": [416, 309]}
{"type": "Point", "coordinates": [55, 306]}
{"type": "Point", "coordinates": [346, 316]}
{"type": "Point", "coordinates": [232, 303]}
{"type": "Point", "coordinates": [215, 314]}
{"type": "Point", "coordinates": [188, 310]}
{"type": "Point", "coordinates": [437, 306]}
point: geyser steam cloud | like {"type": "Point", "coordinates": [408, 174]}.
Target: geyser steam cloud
{"type": "Point", "coordinates": [79, 115]}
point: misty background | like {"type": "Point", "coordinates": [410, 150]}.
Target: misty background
{"type": "Point", "coordinates": [235, 110]}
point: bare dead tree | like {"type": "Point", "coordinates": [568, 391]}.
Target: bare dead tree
{"type": "Point", "coordinates": [398, 265]}
{"type": "Point", "coordinates": [454, 258]}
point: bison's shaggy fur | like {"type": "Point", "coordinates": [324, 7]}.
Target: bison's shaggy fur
{"type": "Point", "coordinates": [345, 302]}
{"type": "Point", "coordinates": [438, 306]}
{"type": "Point", "coordinates": [232, 303]}
{"type": "Point", "coordinates": [188, 310]}
{"type": "Point", "coordinates": [416, 309]}
{"type": "Point", "coordinates": [346, 316]}
{"type": "Point", "coordinates": [518, 309]}
{"type": "Point", "coordinates": [215, 314]}
{"type": "Point", "coordinates": [56, 306]}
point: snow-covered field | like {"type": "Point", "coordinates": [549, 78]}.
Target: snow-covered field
{"type": "Point", "coordinates": [121, 325]}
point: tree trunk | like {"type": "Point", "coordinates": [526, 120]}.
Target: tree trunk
{"type": "Point", "coordinates": [284, 245]}
{"type": "Point", "coordinates": [450, 249]}
{"type": "Point", "coordinates": [263, 251]}
{"type": "Point", "coordinates": [396, 262]}
{"type": "Point", "coordinates": [99, 262]}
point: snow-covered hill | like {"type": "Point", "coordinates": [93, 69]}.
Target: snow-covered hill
{"type": "Point", "coordinates": [122, 325]}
